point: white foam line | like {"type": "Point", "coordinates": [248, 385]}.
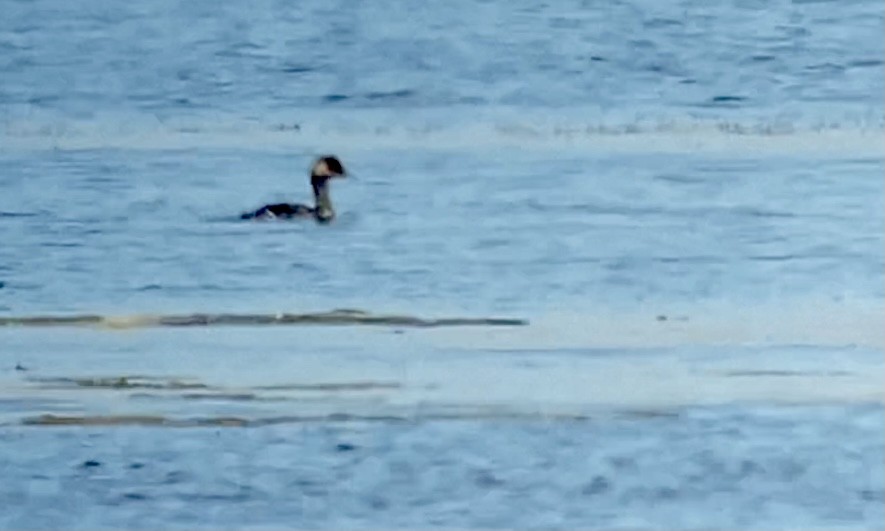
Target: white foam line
{"type": "Point", "coordinates": [687, 138]}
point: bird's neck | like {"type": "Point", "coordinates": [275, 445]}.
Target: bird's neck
{"type": "Point", "coordinates": [322, 200]}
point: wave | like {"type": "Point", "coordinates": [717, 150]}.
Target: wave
{"type": "Point", "coordinates": [164, 383]}
{"type": "Point", "coordinates": [334, 317]}
{"type": "Point", "coordinates": [246, 422]}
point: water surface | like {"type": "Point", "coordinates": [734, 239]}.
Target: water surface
{"type": "Point", "coordinates": [683, 201]}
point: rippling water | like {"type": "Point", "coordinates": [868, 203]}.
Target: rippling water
{"type": "Point", "coordinates": [683, 199]}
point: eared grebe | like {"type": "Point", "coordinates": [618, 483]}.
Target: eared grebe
{"type": "Point", "coordinates": [324, 169]}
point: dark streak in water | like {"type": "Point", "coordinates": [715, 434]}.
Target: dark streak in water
{"type": "Point", "coordinates": [242, 422]}
{"type": "Point", "coordinates": [293, 69]}
{"type": "Point", "coordinates": [727, 99]}
{"type": "Point", "coordinates": [865, 63]}
{"type": "Point", "coordinates": [784, 373]}
{"type": "Point", "coordinates": [389, 95]}
{"type": "Point", "coordinates": [343, 386]}
{"type": "Point", "coordinates": [117, 382]}
{"type": "Point", "coordinates": [126, 382]}
{"type": "Point", "coordinates": [4, 214]}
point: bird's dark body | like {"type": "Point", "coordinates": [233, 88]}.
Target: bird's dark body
{"type": "Point", "coordinates": [281, 210]}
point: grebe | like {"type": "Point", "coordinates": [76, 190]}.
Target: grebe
{"type": "Point", "coordinates": [324, 169]}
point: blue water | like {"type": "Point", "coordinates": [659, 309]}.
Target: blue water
{"type": "Point", "coordinates": [683, 199]}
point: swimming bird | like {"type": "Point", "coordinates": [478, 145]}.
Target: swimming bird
{"type": "Point", "coordinates": [324, 169]}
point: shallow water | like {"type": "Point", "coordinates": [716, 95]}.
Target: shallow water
{"type": "Point", "coordinates": [683, 201]}
{"type": "Point", "coordinates": [701, 468]}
